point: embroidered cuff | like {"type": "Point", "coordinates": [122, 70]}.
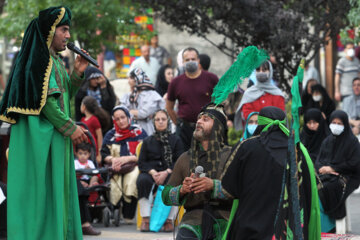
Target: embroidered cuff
{"type": "Point", "coordinates": [217, 192]}
{"type": "Point", "coordinates": [76, 79]}
{"type": "Point", "coordinates": [68, 128]}
{"type": "Point", "coordinates": [54, 91]}
{"type": "Point", "coordinates": [174, 195]}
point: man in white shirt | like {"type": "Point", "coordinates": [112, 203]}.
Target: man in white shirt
{"type": "Point", "coordinates": [148, 64]}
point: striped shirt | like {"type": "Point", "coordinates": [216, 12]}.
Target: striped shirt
{"type": "Point", "coordinates": [348, 71]}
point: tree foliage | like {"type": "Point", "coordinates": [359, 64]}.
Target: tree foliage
{"type": "Point", "coordinates": [288, 29]}
{"type": "Point", "coordinates": [111, 17]}
{"type": "Point", "coordinates": [354, 22]}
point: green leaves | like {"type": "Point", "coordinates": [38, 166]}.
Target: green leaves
{"type": "Point", "coordinates": [93, 23]}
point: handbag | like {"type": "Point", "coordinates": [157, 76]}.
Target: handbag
{"type": "Point", "coordinates": [126, 168]}
{"type": "Point", "coordinates": [332, 189]}
{"type": "Point", "coordinates": [159, 212]}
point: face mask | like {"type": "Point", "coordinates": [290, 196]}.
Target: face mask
{"type": "Point", "coordinates": [350, 52]}
{"type": "Point", "coordinates": [251, 128]}
{"type": "Point", "coordinates": [191, 66]}
{"type": "Point", "coordinates": [262, 76]}
{"type": "Point", "coordinates": [317, 98]}
{"type": "Point", "coordinates": [336, 129]}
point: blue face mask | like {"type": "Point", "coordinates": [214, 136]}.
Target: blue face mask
{"type": "Point", "coordinates": [251, 128]}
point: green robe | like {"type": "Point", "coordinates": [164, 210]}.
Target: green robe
{"type": "Point", "coordinates": [42, 190]}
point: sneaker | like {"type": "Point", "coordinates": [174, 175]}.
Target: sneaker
{"type": "Point", "coordinates": [128, 221]}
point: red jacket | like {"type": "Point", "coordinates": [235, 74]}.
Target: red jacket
{"type": "Point", "coordinates": [264, 101]}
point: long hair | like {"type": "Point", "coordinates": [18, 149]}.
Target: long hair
{"type": "Point", "coordinates": [92, 106]}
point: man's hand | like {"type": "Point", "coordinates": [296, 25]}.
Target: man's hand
{"type": "Point", "coordinates": [80, 64]}
{"type": "Point", "coordinates": [186, 186]}
{"type": "Point", "coordinates": [134, 112]}
{"type": "Point", "coordinates": [79, 135]}
{"type": "Point", "coordinates": [327, 170]}
{"type": "Point", "coordinates": [202, 184]}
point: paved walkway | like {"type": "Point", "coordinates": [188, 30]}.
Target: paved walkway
{"type": "Point", "coordinates": [129, 232]}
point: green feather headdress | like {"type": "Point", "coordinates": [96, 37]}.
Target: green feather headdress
{"type": "Point", "coordinates": [248, 60]}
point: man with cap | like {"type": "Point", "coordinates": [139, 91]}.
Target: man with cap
{"type": "Point", "coordinates": [207, 208]}
{"type": "Point", "coordinates": [42, 191]}
{"type": "Point", "coordinates": [254, 176]}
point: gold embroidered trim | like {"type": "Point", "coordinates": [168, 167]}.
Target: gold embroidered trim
{"type": "Point", "coordinates": [70, 131]}
{"type": "Point", "coordinates": [7, 119]}
{"type": "Point", "coordinates": [46, 78]}
{"type": "Point", "coordinates": [66, 126]}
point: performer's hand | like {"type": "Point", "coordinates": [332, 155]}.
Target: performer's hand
{"type": "Point", "coordinates": [186, 185]}
{"type": "Point", "coordinates": [80, 64]}
{"type": "Point", "coordinates": [202, 184]}
{"type": "Point", "coordinates": [327, 170]}
{"type": "Point", "coordinates": [79, 135]}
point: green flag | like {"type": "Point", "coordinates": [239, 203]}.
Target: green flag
{"type": "Point", "coordinates": [296, 100]}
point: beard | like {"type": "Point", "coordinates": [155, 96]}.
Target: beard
{"type": "Point", "coordinates": [201, 134]}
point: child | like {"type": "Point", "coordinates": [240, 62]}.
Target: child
{"type": "Point", "coordinates": [93, 112]}
{"type": "Point", "coordinates": [83, 151]}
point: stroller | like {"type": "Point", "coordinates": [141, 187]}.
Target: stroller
{"type": "Point", "coordinates": [98, 201]}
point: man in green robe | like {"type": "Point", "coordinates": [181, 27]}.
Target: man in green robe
{"type": "Point", "coordinates": [42, 190]}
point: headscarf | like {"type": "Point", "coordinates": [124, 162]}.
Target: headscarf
{"type": "Point", "coordinates": [91, 73]}
{"type": "Point", "coordinates": [272, 136]}
{"type": "Point", "coordinates": [163, 137]}
{"type": "Point", "coordinates": [142, 83]}
{"type": "Point", "coordinates": [246, 132]}
{"type": "Point", "coordinates": [218, 139]}
{"type": "Point", "coordinates": [340, 152]}
{"type": "Point", "coordinates": [312, 139]}
{"type": "Point", "coordinates": [161, 85]}
{"type": "Point", "coordinates": [327, 107]}
{"type": "Point", "coordinates": [27, 88]}
{"type": "Point", "coordinates": [260, 88]}
{"type": "Point", "coordinates": [130, 131]}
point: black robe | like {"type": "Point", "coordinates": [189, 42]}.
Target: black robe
{"type": "Point", "coordinates": [152, 157]}
{"type": "Point", "coordinates": [312, 140]}
{"type": "Point", "coordinates": [342, 153]}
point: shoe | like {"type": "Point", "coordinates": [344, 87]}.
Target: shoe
{"type": "Point", "coordinates": [89, 230]}
{"type": "Point", "coordinates": [168, 226]}
{"type": "Point", "coordinates": [145, 227]}
{"type": "Point", "coordinates": [128, 221]}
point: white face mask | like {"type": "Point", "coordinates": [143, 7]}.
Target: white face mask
{"type": "Point", "coordinates": [336, 129]}
{"type": "Point", "coordinates": [350, 52]}
{"type": "Point", "coordinates": [317, 98]}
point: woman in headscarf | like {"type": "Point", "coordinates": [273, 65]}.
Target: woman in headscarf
{"type": "Point", "coordinates": [164, 77]}
{"type": "Point", "coordinates": [143, 101]}
{"type": "Point", "coordinates": [118, 150]}
{"type": "Point", "coordinates": [339, 156]}
{"type": "Point", "coordinates": [159, 153]}
{"type": "Point", "coordinates": [250, 126]}
{"type": "Point", "coordinates": [314, 132]}
{"type": "Point", "coordinates": [306, 94]}
{"type": "Point", "coordinates": [260, 95]}
{"type": "Point", "coordinates": [97, 86]}
{"type": "Point", "coordinates": [320, 100]}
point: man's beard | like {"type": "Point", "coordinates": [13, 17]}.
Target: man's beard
{"type": "Point", "coordinates": [201, 135]}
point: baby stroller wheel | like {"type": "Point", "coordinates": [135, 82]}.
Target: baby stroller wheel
{"type": "Point", "coordinates": [117, 217]}
{"type": "Point", "coordinates": [106, 217]}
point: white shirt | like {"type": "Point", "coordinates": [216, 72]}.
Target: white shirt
{"type": "Point", "coordinates": [88, 164]}
{"type": "Point", "coordinates": [150, 68]}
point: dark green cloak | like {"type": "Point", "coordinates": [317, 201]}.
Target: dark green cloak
{"type": "Point", "coordinates": [27, 87]}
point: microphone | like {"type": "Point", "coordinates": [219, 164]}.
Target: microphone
{"type": "Point", "coordinates": [75, 49]}
{"type": "Point", "coordinates": [199, 170]}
